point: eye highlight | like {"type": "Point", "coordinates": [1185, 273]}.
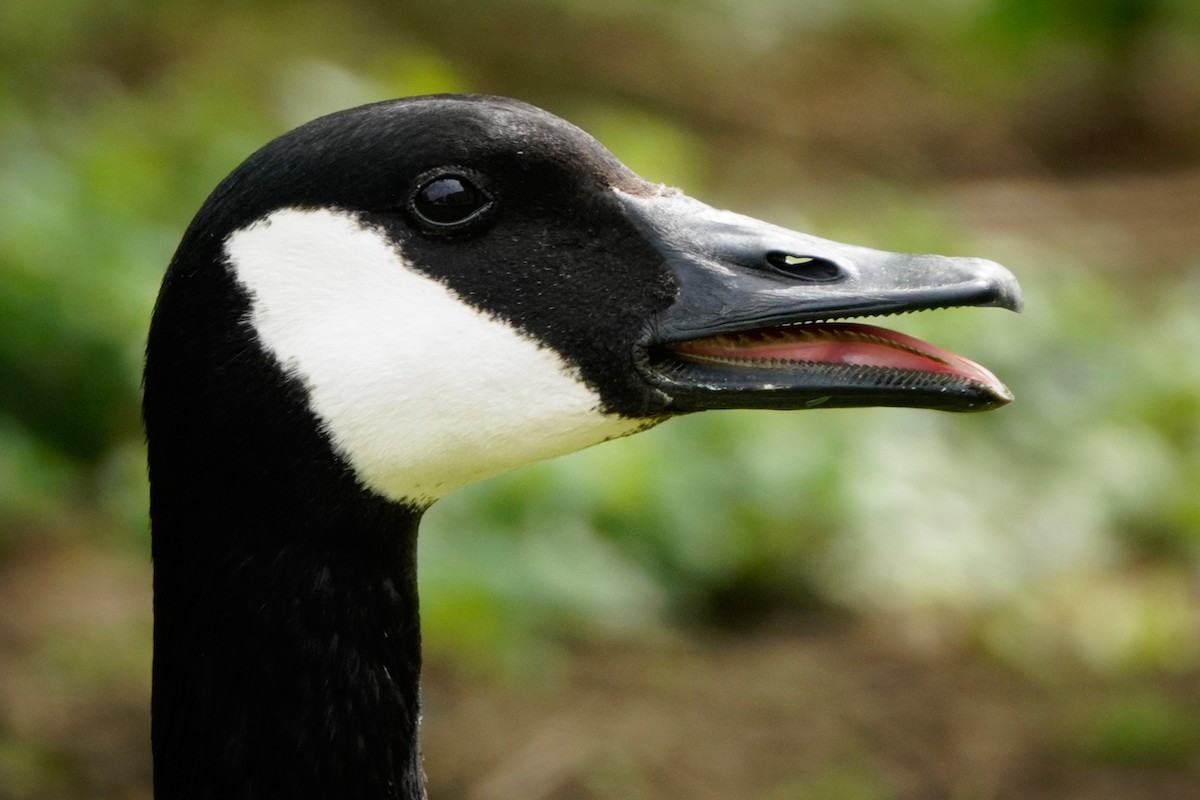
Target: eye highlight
{"type": "Point", "coordinates": [449, 200]}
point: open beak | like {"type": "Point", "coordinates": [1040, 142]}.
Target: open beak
{"type": "Point", "coordinates": [758, 321]}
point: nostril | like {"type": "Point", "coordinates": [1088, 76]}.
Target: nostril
{"type": "Point", "coordinates": [807, 268]}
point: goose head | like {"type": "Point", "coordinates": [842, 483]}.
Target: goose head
{"type": "Point", "coordinates": [456, 286]}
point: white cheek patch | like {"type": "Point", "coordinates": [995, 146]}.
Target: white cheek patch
{"type": "Point", "coordinates": [420, 392]}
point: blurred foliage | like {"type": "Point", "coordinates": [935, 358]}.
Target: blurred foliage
{"type": "Point", "coordinates": [1067, 526]}
{"type": "Point", "coordinates": [1142, 730]}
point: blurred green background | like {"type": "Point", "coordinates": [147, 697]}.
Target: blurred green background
{"type": "Point", "coordinates": [844, 604]}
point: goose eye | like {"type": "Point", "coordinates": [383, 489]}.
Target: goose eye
{"type": "Point", "coordinates": [449, 200]}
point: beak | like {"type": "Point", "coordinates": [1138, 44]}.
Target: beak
{"type": "Point", "coordinates": [757, 319]}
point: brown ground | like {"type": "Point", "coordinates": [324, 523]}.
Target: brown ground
{"type": "Point", "coordinates": [834, 711]}
{"type": "Point", "coordinates": [1125, 224]}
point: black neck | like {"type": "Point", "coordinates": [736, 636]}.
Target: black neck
{"type": "Point", "coordinates": [287, 661]}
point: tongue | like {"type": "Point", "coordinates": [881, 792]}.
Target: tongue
{"type": "Point", "coordinates": [841, 343]}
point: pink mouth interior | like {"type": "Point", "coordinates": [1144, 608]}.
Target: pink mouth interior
{"type": "Point", "coordinates": [835, 343]}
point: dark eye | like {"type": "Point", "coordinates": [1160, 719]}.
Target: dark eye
{"type": "Point", "coordinates": [449, 200]}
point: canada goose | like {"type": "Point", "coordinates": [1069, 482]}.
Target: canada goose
{"type": "Point", "coordinates": [396, 300]}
